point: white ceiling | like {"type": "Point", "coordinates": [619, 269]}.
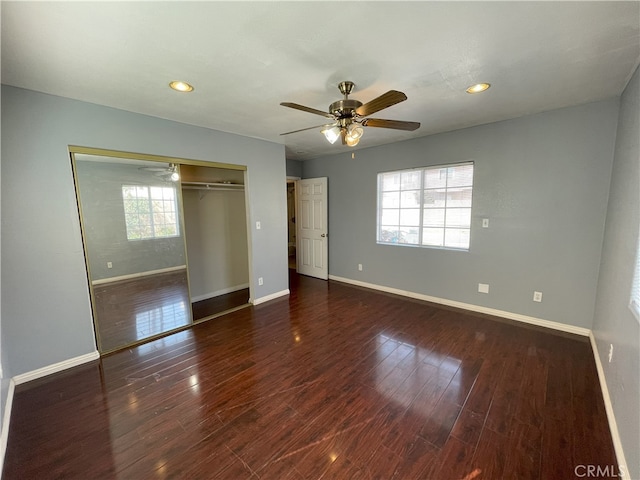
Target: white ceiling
{"type": "Point", "coordinates": [244, 58]}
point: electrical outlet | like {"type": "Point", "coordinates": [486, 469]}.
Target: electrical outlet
{"type": "Point", "coordinates": [537, 296]}
{"type": "Point", "coordinates": [483, 287]}
{"type": "Point", "coordinates": [359, 267]}
{"type": "Point", "coordinates": [109, 265]}
{"type": "Point", "coordinates": [610, 352]}
{"type": "Point", "coordinates": [260, 281]}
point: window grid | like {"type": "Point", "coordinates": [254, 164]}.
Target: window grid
{"type": "Point", "coordinates": [452, 230]}
{"type": "Point", "coordinates": [150, 212]}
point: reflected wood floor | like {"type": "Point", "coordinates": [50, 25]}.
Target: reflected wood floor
{"type": "Point", "coordinates": [132, 310]}
{"type": "Point", "coordinates": [332, 382]}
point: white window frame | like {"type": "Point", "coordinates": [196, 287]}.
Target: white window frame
{"type": "Point", "coordinates": [146, 208]}
{"type": "Point", "coordinates": [387, 237]}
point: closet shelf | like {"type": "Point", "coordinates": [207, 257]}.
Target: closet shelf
{"type": "Point", "coordinates": [212, 186]}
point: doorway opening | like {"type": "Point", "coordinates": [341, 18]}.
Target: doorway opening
{"type": "Point", "coordinates": [291, 223]}
{"type": "Point", "coordinates": [216, 239]}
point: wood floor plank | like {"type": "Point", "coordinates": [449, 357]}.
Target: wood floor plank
{"type": "Point", "coordinates": [525, 458]}
{"type": "Point", "coordinates": [333, 382]}
{"type": "Point", "coordinates": [489, 458]}
{"type": "Point", "coordinates": [455, 461]}
{"type": "Point", "coordinates": [468, 427]}
{"type": "Point", "coordinates": [556, 457]}
{"type": "Point", "coordinates": [506, 397]}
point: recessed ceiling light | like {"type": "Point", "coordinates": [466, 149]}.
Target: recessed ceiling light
{"type": "Point", "coordinates": [181, 86]}
{"type": "Point", "coordinates": [478, 87]}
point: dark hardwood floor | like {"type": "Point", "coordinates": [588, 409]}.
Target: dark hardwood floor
{"type": "Point", "coordinates": [332, 382]}
{"type": "Point", "coordinates": [221, 303]}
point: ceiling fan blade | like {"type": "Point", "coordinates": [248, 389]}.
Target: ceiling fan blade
{"type": "Point", "coordinates": [306, 109]}
{"type": "Point", "coordinates": [395, 124]}
{"type": "Point", "coordinates": [383, 101]}
{"type": "Point", "coordinates": [308, 128]}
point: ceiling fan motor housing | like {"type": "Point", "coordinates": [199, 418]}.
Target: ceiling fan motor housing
{"type": "Point", "coordinates": [344, 108]}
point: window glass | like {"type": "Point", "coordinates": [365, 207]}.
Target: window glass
{"type": "Point", "coordinates": [428, 206]}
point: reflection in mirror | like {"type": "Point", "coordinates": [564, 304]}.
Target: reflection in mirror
{"type": "Point", "coordinates": [216, 235]}
{"type": "Point", "coordinates": [165, 243]}
{"type": "Point", "coordinates": [135, 250]}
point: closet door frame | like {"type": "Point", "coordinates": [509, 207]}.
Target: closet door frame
{"type": "Point", "coordinates": [124, 155]}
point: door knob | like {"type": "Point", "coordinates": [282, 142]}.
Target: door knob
{"type": "Point", "coordinates": [324, 235]}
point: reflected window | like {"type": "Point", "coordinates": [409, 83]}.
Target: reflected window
{"type": "Point", "coordinates": [150, 212]}
{"type": "Point", "coordinates": [161, 319]}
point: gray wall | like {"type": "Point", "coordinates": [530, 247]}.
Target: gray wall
{"type": "Point", "coordinates": [100, 186]}
{"type": "Point", "coordinates": [46, 313]}
{"type": "Point", "coordinates": [614, 323]}
{"type": "Point", "coordinates": [543, 182]}
{"type": "Point", "coordinates": [216, 233]}
{"type": "Point", "coordinates": [294, 168]}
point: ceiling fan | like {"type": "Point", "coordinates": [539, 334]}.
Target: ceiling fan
{"type": "Point", "coordinates": [348, 116]}
{"type": "Point", "coordinates": [169, 173]}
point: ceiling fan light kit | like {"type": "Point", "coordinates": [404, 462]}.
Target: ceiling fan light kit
{"type": "Point", "coordinates": [352, 142]}
{"type": "Point", "coordinates": [348, 116]}
{"type": "Point", "coordinates": [353, 134]}
{"type": "Point", "coordinates": [331, 133]}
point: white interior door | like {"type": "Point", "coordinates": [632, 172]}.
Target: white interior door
{"type": "Point", "coordinates": [312, 230]}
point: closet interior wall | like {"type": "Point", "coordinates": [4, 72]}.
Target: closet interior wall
{"type": "Point", "coordinates": [216, 236]}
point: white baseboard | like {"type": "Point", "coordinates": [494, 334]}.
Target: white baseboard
{"type": "Point", "coordinates": [130, 276]}
{"type": "Point", "coordinates": [468, 306]}
{"type": "Point", "coordinates": [6, 420]}
{"type": "Point", "coordinates": [613, 425]}
{"type": "Point", "coordinates": [56, 367]}
{"type": "Point", "coordinates": [224, 291]}
{"type": "Point", "coordinates": [273, 296]}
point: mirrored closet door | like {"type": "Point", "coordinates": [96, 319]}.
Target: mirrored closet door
{"type": "Point", "coordinates": [165, 243]}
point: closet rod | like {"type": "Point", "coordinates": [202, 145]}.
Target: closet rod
{"type": "Point", "coordinates": [213, 186]}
